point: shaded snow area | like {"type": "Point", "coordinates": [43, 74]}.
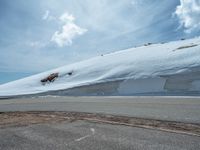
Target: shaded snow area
{"type": "Point", "coordinates": [153, 69]}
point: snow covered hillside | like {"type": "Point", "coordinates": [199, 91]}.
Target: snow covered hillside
{"type": "Point", "coordinates": [171, 68]}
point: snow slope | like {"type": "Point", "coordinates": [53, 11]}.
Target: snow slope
{"type": "Point", "coordinates": [170, 68]}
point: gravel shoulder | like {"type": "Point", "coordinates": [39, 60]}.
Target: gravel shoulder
{"type": "Point", "coordinates": [14, 119]}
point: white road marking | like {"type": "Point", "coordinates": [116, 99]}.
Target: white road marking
{"type": "Point", "coordinates": [93, 131]}
{"type": "Point", "coordinates": [84, 137]}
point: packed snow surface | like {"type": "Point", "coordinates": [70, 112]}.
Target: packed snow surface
{"type": "Point", "coordinates": [172, 67]}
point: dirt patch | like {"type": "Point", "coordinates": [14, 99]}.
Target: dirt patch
{"type": "Point", "coordinates": [14, 119]}
{"type": "Point", "coordinates": [50, 78]}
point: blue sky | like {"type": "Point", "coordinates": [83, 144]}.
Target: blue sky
{"type": "Point", "coordinates": [38, 35]}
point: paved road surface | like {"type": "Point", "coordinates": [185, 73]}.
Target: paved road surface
{"type": "Point", "coordinates": [82, 135]}
{"type": "Point", "coordinates": [165, 108]}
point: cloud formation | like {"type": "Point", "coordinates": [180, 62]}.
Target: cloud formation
{"type": "Point", "coordinates": [69, 31]}
{"type": "Point", "coordinates": [30, 33]}
{"type": "Point", "coordinates": [47, 16]}
{"type": "Point", "coordinates": [188, 13]}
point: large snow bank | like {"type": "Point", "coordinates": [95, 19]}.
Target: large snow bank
{"type": "Point", "coordinates": [158, 68]}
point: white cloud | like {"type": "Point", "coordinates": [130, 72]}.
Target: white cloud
{"type": "Point", "coordinates": [188, 13]}
{"type": "Point", "coordinates": [67, 18]}
{"type": "Point", "coordinates": [47, 16]}
{"type": "Point", "coordinates": [136, 2]}
{"type": "Point", "coordinates": [35, 44]}
{"type": "Point", "coordinates": [69, 31]}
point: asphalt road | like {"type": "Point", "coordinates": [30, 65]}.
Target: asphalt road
{"type": "Point", "coordinates": [183, 109]}
{"type": "Point", "coordinates": [86, 135]}
{"type": "Point", "coordinates": [82, 135]}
